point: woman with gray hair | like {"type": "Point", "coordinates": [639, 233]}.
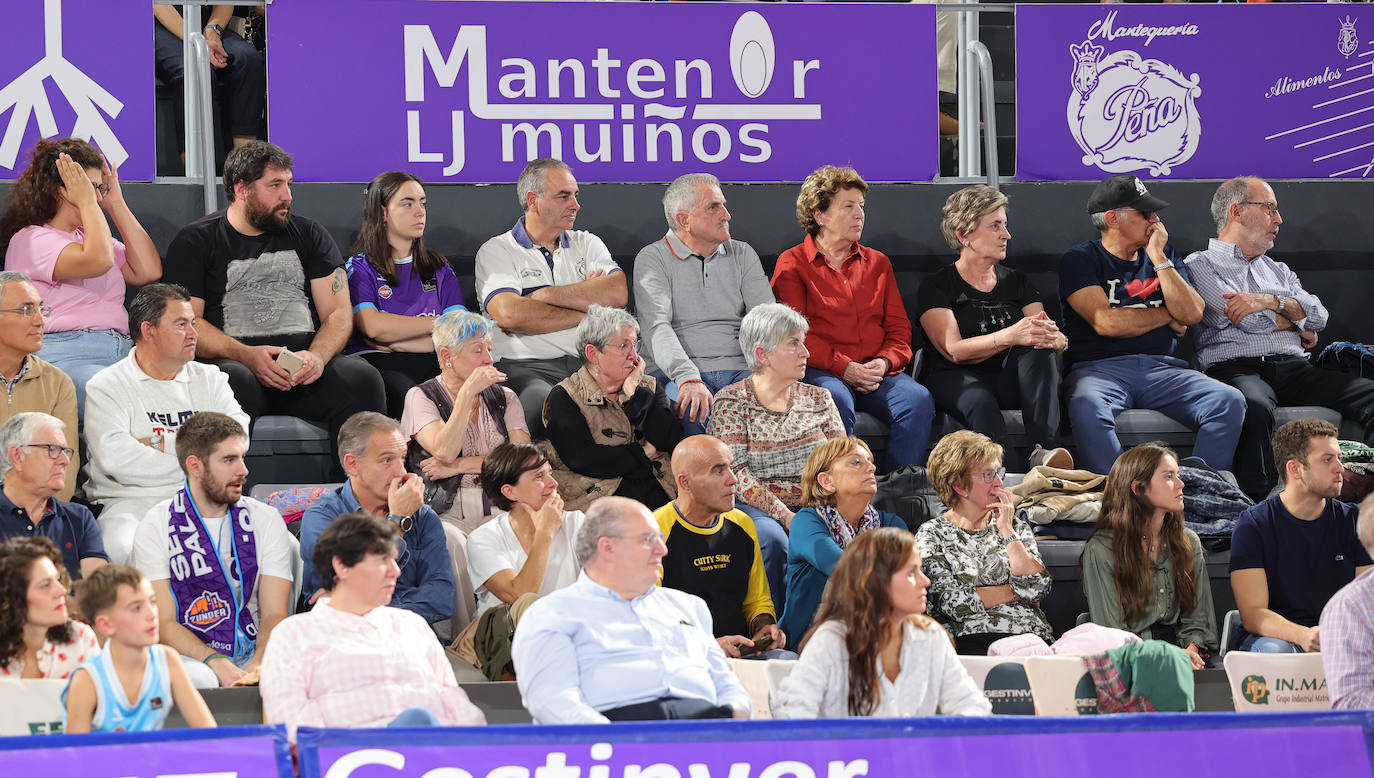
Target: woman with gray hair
{"type": "Point", "coordinates": [860, 338]}
{"type": "Point", "coordinates": [610, 426]}
{"type": "Point", "coordinates": [772, 422]}
{"type": "Point", "coordinates": [995, 347]}
{"type": "Point", "coordinates": [455, 419]}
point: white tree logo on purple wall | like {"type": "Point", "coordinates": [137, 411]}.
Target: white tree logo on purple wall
{"type": "Point", "coordinates": [28, 98]}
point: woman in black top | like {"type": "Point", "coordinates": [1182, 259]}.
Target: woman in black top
{"type": "Point", "coordinates": [994, 345]}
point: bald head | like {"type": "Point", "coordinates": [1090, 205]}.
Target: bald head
{"type": "Point", "coordinates": [689, 455]}
{"type": "Point", "coordinates": [705, 482]}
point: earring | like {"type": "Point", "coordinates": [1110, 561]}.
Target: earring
{"type": "Point", "coordinates": [448, 364]}
{"type": "Point", "coordinates": [965, 243]}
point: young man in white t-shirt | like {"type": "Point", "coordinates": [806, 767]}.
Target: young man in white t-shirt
{"type": "Point", "coordinates": [220, 563]}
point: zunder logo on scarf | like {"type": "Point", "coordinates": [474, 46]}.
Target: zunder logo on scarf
{"type": "Point", "coordinates": [206, 612]}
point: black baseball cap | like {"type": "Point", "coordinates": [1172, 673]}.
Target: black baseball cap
{"type": "Point", "coordinates": [1124, 191]}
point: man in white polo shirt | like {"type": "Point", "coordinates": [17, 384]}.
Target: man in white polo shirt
{"type": "Point", "coordinates": [536, 282]}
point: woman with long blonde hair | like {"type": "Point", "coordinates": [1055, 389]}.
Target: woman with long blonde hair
{"type": "Point", "coordinates": [873, 652]}
{"type": "Point", "coordinates": [1143, 571]}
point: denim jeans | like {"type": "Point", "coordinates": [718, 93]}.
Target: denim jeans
{"type": "Point", "coordinates": [1264, 645]}
{"type": "Point", "coordinates": [83, 353]}
{"type": "Point", "coordinates": [905, 405]}
{"type": "Point", "coordinates": [1101, 389]}
{"type": "Point", "coordinates": [415, 716]}
{"type": "Point", "coordinates": [773, 545]}
{"type": "Point", "coordinates": [715, 380]}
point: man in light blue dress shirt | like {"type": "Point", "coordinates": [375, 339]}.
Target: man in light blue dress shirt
{"type": "Point", "coordinates": [615, 646]}
{"type": "Point", "coordinates": [1258, 326]}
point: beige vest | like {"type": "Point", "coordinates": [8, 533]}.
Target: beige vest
{"type": "Point", "coordinates": [609, 427]}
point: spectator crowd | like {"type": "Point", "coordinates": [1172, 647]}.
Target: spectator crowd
{"type": "Point", "coordinates": [608, 505]}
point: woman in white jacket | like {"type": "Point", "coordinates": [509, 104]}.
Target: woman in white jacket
{"type": "Point", "coordinates": [873, 651]}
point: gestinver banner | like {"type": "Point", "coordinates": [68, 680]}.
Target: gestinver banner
{"type": "Point", "coordinates": [471, 91]}
{"type": "Point", "coordinates": [1228, 745]}
{"type": "Point", "coordinates": [82, 68]}
{"type": "Point", "coordinates": [1195, 91]}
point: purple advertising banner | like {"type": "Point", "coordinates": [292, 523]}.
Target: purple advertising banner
{"type": "Point", "coordinates": [82, 68]}
{"type": "Point", "coordinates": [471, 91]}
{"type": "Point", "coordinates": [1258, 752]}
{"type": "Point", "coordinates": [149, 755]}
{"type": "Point", "coordinates": [1195, 91]}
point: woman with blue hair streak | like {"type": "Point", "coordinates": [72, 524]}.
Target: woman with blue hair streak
{"type": "Point", "coordinates": [453, 421]}
{"type": "Point", "coordinates": [456, 418]}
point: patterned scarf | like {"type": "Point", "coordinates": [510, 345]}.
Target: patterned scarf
{"type": "Point", "coordinates": [841, 531]}
{"type": "Point", "coordinates": [205, 602]}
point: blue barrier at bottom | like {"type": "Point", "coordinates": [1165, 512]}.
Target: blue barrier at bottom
{"type": "Point", "coordinates": [227, 752]}
{"type": "Point", "coordinates": [1288, 745]}
{"type": "Point", "coordinates": [1299, 745]}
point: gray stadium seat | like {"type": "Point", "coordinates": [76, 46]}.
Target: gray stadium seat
{"type": "Point", "coordinates": [285, 449]}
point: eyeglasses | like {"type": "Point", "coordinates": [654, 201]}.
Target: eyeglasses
{"type": "Point", "coordinates": [989, 476]}
{"type": "Point", "coordinates": [624, 348]}
{"type": "Point", "coordinates": [27, 310]}
{"type": "Point", "coordinates": [54, 451]}
{"type": "Point", "coordinates": [648, 539]}
{"type": "Point", "coordinates": [1270, 206]}
{"type": "Point", "coordinates": [1146, 215]}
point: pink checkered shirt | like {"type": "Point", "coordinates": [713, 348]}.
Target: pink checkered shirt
{"type": "Point", "coordinates": [329, 668]}
{"type": "Point", "coordinates": [1347, 632]}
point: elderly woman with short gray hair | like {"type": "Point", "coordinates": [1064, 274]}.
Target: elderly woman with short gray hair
{"type": "Point", "coordinates": [610, 426]}
{"type": "Point", "coordinates": [772, 421]}
{"type": "Point", "coordinates": [447, 447]}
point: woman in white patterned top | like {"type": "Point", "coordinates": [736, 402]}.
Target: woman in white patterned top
{"type": "Point", "coordinates": [986, 575]}
{"type": "Point", "coordinates": [38, 638]}
{"type": "Point", "coordinates": [873, 653]}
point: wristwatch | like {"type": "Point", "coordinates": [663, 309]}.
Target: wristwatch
{"type": "Point", "coordinates": [1165, 265]}
{"type": "Point", "coordinates": [218, 29]}
{"type": "Point", "coordinates": [1281, 302]}
{"type": "Point", "coordinates": [404, 522]}
{"type": "Point", "coordinates": [1007, 540]}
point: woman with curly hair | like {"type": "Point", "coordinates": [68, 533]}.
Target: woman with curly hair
{"type": "Point", "coordinates": [873, 652]}
{"type": "Point", "coordinates": [1143, 571]}
{"type": "Point", "coordinates": [398, 287]}
{"type": "Point", "coordinates": [860, 336]}
{"type": "Point", "coordinates": [54, 231]}
{"type": "Point", "coordinates": [38, 638]}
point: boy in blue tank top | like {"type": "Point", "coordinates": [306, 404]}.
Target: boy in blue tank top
{"type": "Point", "coordinates": [130, 685]}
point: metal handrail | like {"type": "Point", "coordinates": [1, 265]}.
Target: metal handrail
{"type": "Point", "coordinates": [200, 122]}
{"type": "Point", "coordinates": [978, 51]}
{"type": "Point", "coordinates": [203, 111]}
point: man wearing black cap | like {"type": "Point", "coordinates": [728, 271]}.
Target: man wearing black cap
{"type": "Point", "coordinates": [1126, 304]}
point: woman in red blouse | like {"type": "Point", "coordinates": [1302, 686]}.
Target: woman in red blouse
{"type": "Point", "coordinates": [860, 336]}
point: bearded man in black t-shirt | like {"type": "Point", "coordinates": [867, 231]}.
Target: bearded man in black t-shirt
{"type": "Point", "coordinates": [265, 282]}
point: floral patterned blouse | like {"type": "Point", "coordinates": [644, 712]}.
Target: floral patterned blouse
{"type": "Point", "coordinates": [957, 562]}
{"type": "Point", "coordinates": [58, 660]}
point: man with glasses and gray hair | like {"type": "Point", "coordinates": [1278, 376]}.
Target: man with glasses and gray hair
{"type": "Point", "coordinates": [1127, 304]}
{"type": "Point", "coordinates": [32, 384]}
{"type": "Point", "coordinates": [692, 289]}
{"type": "Point", "coordinates": [537, 280]}
{"type": "Point", "coordinates": [34, 459]}
{"type": "Point", "coordinates": [1257, 328]}
{"type": "Point", "coordinates": [615, 646]}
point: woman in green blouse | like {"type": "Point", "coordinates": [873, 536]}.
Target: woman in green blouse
{"type": "Point", "coordinates": [1143, 571]}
